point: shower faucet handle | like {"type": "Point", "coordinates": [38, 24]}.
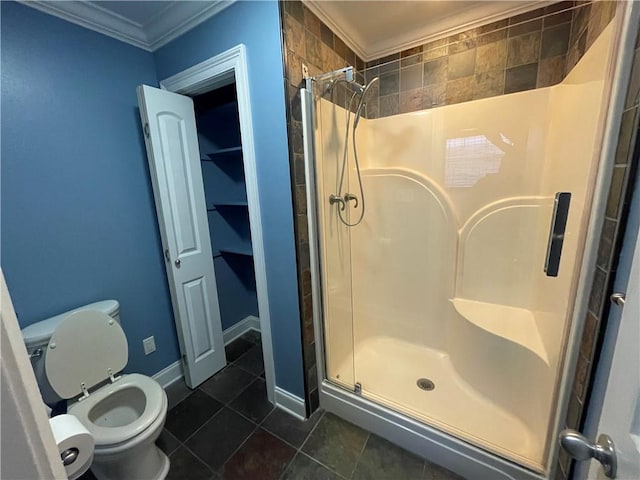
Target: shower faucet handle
{"type": "Point", "coordinates": [350, 196]}
{"type": "Point", "coordinates": [337, 199]}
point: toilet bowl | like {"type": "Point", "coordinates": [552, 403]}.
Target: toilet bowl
{"type": "Point", "coordinates": [125, 418]}
{"type": "Point", "coordinates": [83, 355]}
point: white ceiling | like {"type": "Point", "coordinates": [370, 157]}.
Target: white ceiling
{"type": "Point", "coordinates": [370, 28]}
{"type": "Point", "coordinates": [374, 29]}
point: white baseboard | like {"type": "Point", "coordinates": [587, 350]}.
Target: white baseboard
{"type": "Point", "coordinates": [250, 322]}
{"type": "Point", "coordinates": [174, 372]}
{"type": "Point", "coordinates": [290, 403]}
{"type": "Point", "coordinates": [170, 374]}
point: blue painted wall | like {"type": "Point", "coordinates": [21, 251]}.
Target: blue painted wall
{"type": "Point", "coordinates": [256, 24]}
{"type": "Point", "coordinates": [78, 220]}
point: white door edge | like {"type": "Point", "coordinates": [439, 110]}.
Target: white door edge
{"type": "Point", "coordinates": [213, 73]}
{"type": "Point", "coordinates": [28, 439]}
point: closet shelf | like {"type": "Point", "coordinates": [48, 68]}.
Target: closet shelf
{"type": "Point", "coordinates": [237, 250]}
{"type": "Point", "coordinates": [517, 325]}
{"type": "Point", "coordinates": [230, 203]}
{"type": "Point", "coordinates": [222, 152]}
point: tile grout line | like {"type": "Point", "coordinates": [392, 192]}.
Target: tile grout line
{"type": "Point", "coordinates": [286, 468]}
{"type": "Point", "coordinates": [201, 426]}
{"type": "Point", "coordinates": [240, 446]}
{"type": "Point", "coordinates": [232, 454]}
{"type": "Point", "coordinates": [197, 458]}
{"type": "Point", "coordinates": [315, 459]}
{"type": "Point", "coordinates": [323, 464]}
{"type": "Point", "coordinates": [364, 446]}
{"type": "Point", "coordinates": [311, 431]}
{"type": "Point", "coordinates": [255, 424]}
{"type": "Point", "coordinates": [242, 390]}
{"type": "Point", "coordinates": [299, 449]}
{"type": "Point", "coordinates": [216, 413]}
{"type": "Point", "coordinates": [266, 429]}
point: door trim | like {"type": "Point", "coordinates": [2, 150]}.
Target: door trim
{"type": "Point", "coordinates": [216, 72]}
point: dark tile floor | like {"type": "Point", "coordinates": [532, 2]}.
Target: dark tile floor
{"type": "Point", "coordinates": [227, 429]}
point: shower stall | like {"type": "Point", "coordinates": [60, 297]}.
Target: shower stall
{"type": "Point", "coordinates": [447, 245]}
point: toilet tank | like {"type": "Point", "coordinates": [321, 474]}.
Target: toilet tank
{"type": "Point", "coordinates": [37, 335]}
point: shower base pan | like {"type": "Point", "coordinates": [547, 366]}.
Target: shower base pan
{"type": "Point", "coordinates": [387, 378]}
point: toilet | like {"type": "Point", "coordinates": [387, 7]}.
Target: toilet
{"type": "Point", "coordinates": [78, 356]}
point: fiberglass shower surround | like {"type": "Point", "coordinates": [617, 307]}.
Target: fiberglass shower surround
{"type": "Point", "coordinates": [442, 283]}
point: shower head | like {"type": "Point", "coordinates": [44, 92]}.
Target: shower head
{"type": "Point", "coordinates": [362, 103]}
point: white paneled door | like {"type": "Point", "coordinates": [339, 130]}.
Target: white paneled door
{"type": "Point", "coordinates": [169, 126]}
{"type": "Point", "coordinates": [621, 409]}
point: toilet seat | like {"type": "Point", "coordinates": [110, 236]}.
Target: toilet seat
{"type": "Point", "coordinates": [111, 436]}
{"type": "Point", "coordinates": [85, 349]}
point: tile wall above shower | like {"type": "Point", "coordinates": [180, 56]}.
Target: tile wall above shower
{"type": "Point", "coordinates": [307, 40]}
{"type": "Point", "coordinates": [533, 50]}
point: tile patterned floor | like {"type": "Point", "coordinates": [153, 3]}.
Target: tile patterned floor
{"type": "Point", "coordinates": [226, 429]}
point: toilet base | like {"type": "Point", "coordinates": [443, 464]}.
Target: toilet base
{"type": "Point", "coordinates": [151, 464]}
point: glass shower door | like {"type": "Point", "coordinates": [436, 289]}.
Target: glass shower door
{"type": "Point", "coordinates": [334, 235]}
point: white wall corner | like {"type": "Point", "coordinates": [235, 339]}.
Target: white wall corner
{"type": "Point", "coordinates": [290, 403]}
{"type": "Point", "coordinates": [251, 322]}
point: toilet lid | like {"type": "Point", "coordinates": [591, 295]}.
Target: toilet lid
{"type": "Point", "coordinates": [82, 349]}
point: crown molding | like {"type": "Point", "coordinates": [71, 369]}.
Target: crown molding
{"type": "Point", "coordinates": [96, 18]}
{"type": "Point", "coordinates": [316, 7]}
{"type": "Point", "coordinates": [168, 24]}
{"type": "Point", "coordinates": [472, 18]}
{"type": "Point", "coordinates": [179, 18]}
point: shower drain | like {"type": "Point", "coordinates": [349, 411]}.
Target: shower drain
{"type": "Point", "coordinates": [426, 384]}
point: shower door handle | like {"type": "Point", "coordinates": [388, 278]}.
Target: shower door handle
{"type": "Point", "coordinates": [556, 233]}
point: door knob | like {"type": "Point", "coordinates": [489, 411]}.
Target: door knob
{"type": "Point", "coordinates": [618, 299]}
{"type": "Point", "coordinates": [177, 262]}
{"type": "Point", "coordinates": [580, 448]}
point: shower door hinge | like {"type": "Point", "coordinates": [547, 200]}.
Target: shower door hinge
{"type": "Point", "coordinates": [357, 388]}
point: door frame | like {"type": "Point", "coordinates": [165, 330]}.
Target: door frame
{"type": "Point", "coordinates": [622, 59]}
{"type": "Point", "coordinates": [215, 72]}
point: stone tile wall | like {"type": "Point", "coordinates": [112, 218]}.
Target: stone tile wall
{"type": "Point", "coordinates": [533, 50]}
{"type": "Point", "coordinates": [309, 40]}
